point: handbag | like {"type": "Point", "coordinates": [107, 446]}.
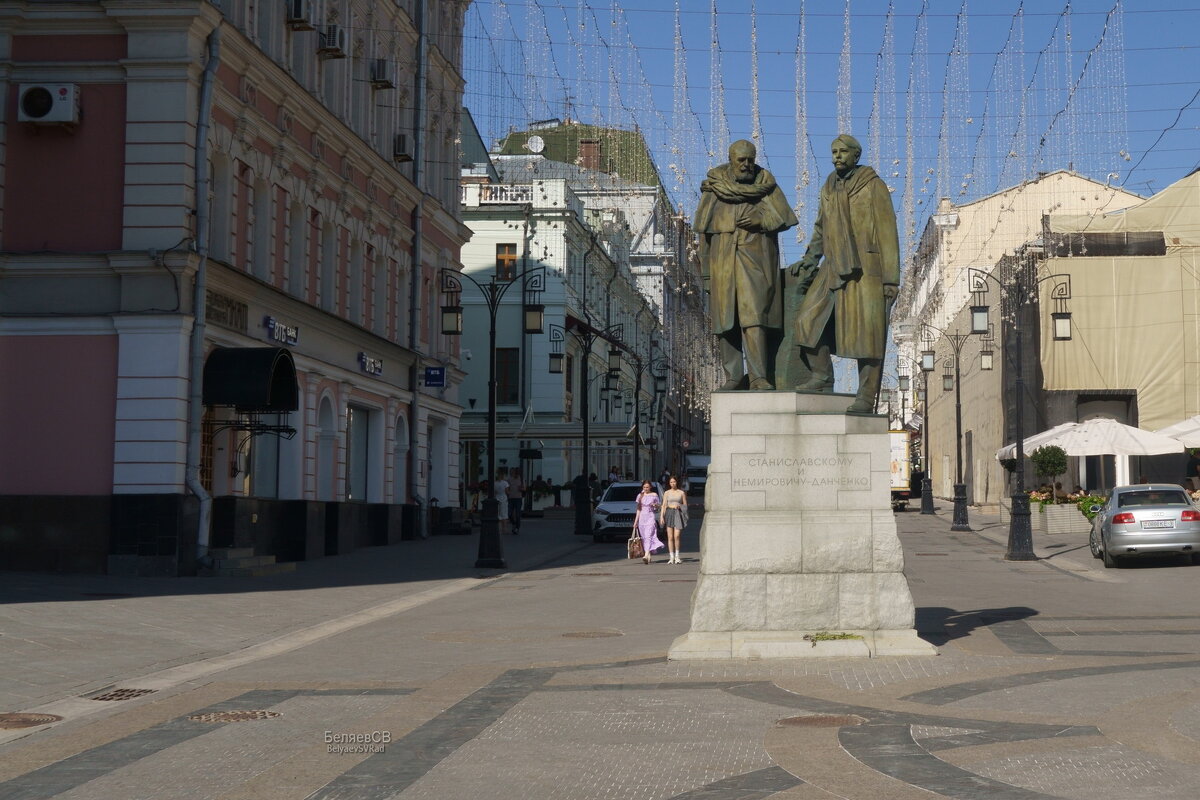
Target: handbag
{"type": "Point", "coordinates": [635, 547]}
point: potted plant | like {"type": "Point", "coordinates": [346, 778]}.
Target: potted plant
{"type": "Point", "coordinates": [1049, 462]}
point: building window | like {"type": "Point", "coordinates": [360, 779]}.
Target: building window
{"type": "Point", "coordinates": [508, 375]}
{"type": "Point", "coordinates": [358, 432]}
{"type": "Point", "coordinates": [506, 262]}
{"type": "Point", "coordinates": [569, 388]}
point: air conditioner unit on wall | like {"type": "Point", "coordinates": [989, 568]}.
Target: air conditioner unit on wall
{"type": "Point", "coordinates": [48, 103]}
{"type": "Point", "coordinates": [400, 151]}
{"type": "Point", "coordinates": [331, 42]}
{"type": "Point", "coordinates": [300, 15]}
{"type": "Point", "coordinates": [381, 74]}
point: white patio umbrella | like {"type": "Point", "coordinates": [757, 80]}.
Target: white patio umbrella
{"type": "Point", "coordinates": [1107, 437]}
{"type": "Point", "coordinates": [1033, 442]}
{"type": "Point", "coordinates": [1100, 437]}
{"type": "Point", "coordinates": [1186, 432]}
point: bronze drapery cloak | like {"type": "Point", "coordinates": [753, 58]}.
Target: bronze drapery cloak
{"type": "Point", "coordinates": [738, 224]}
{"type": "Point", "coordinates": [856, 233]}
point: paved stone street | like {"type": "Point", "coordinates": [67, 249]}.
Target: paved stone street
{"type": "Point", "coordinates": [402, 672]}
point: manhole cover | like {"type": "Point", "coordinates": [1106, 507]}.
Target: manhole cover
{"type": "Point", "coordinates": [591, 634]}
{"type": "Point", "coordinates": [824, 720]}
{"type": "Point", "coordinates": [121, 694]}
{"type": "Point", "coordinates": [591, 574]}
{"type": "Point", "coordinates": [233, 716]}
{"type": "Point", "coordinates": [12, 720]}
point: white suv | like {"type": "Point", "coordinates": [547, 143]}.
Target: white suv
{"type": "Point", "coordinates": [613, 517]}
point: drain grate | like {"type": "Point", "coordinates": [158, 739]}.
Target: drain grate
{"type": "Point", "coordinates": [233, 716]}
{"type": "Point", "coordinates": [591, 634]}
{"type": "Point", "coordinates": [120, 694]}
{"type": "Point", "coordinates": [823, 720]}
{"type": "Point", "coordinates": [14, 719]}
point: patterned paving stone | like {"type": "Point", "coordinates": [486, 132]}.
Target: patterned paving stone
{"type": "Point", "coordinates": [628, 744]}
{"type": "Point", "coordinates": [1109, 772]}
{"type": "Point", "coordinates": [1186, 722]}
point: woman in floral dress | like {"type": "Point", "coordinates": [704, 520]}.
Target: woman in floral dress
{"type": "Point", "coordinates": [645, 521]}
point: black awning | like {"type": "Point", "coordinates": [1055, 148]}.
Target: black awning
{"type": "Point", "coordinates": [252, 379]}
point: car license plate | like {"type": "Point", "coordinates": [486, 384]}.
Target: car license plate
{"type": "Point", "coordinates": [1158, 523]}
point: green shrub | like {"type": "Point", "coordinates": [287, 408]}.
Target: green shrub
{"type": "Point", "coordinates": [1049, 461]}
{"type": "Point", "coordinates": [1086, 502]}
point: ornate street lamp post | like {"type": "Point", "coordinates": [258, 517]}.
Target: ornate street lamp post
{"type": "Point", "coordinates": [1018, 291]}
{"type": "Point", "coordinates": [533, 281]}
{"type": "Point", "coordinates": [960, 521]}
{"type": "Point", "coordinates": [585, 336]}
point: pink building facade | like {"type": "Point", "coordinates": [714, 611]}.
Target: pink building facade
{"type": "Point", "coordinates": [325, 241]}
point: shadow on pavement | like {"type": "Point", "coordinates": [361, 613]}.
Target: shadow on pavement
{"type": "Point", "coordinates": [420, 560]}
{"type": "Point", "coordinates": [938, 625]}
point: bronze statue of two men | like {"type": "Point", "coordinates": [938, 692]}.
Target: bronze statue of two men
{"type": "Point", "coordinates": [838, 296]}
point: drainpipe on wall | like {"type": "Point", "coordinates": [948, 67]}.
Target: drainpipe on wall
{"type": "Point", "coordinates": [414, 300]}
{"type": "Point", "coordinates": [199, 300]}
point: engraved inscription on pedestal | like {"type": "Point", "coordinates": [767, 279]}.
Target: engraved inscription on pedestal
{"type": "Point", "coordinates": [804, 479]}
{"type": "Point", "coordinates": [850, 472]}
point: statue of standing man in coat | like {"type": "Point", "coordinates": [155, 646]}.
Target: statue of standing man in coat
{"type": "Point", "coordinates": [739, 218]}
{"type": "Point", "coordinates": [852, 272]}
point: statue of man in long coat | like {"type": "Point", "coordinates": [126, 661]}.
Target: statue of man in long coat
{"type": "Point", "coordinates": [740, 215]}
{"type": "Point", "coordinates": [851, 292]}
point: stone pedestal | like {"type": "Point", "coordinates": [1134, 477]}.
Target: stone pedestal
{"type": "Point", "coordinates": [799, 546]}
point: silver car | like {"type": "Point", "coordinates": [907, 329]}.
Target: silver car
{"type": "Point", "coordinates": [1147, 519]}
{"type": "Point", "coordinates": [613, 517]}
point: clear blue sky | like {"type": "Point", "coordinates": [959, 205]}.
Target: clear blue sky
{"type": "Point", "coordinates": [536, 59]}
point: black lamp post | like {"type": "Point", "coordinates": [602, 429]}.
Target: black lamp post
{"type": "Point", "coordinates": [927, 365]}
{"type": "Point", "coordinates": [960, 522]}
{"type": "Point", "coordinates": [533, 281]}
{"type": "Point", "coordinates": [1019, 290]}
{"type": "Point", "coordinates": [586, 337]}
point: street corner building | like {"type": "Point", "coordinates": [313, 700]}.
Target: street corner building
{"type": "Point", "coordinates": [277, 181]}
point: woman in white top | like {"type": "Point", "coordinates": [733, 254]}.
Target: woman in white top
{"type": "Point", "coordinates": [674, 517]}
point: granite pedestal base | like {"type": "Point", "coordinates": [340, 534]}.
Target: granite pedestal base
{"type": "Point", "coordinates": [798, 537]}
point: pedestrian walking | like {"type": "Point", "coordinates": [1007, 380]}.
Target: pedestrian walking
{"type": "Point", "coordinates": [516, 499]}
{"type": "Point", "coordinates": [501, 495]}
{"type": "Point", "coordinates": [645, 521]}
{"type": "Point", "coordinates": [674, 517]}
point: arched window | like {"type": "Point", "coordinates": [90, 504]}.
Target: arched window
{"type": "Point", "coordinates": [297, 249]}
{"type": "Point", "coordinates": [220, 213]}
{"type": "Point", "coordinates": [328, 269]}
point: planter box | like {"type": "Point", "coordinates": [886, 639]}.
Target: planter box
{"type": "Point", "coordinates": [1059, 519]}
{"type": "Point", "coordinates": [1064, 518]}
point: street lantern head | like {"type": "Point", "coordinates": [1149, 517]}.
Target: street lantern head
{"type": "Point", "coordinates": [452, 320]}
{"type": "Point", "coordinates": [928, 357]}
{"type": "Point", "coordinates": [947, 382]}
{"type": "Point", "coordinates": [660, 384]}
{"type": "Point", "coordinates": [985, 359]}
{"type": "Point", "coordinates": [556, 363]}
{"type": "Point", "coordinates": [979, 319]}
{"type": "Point", "coordinates": [1062, 325]}
{"type": "Point", "coordinates": [903, 380]}
{"type": "Point", "coordinates": [614, 359]}
{"type": "Point", "coordinates": [534, 317]}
